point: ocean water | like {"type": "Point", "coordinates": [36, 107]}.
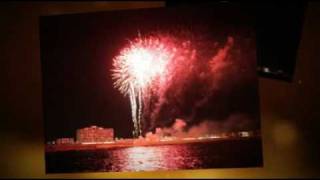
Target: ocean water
{"type": "Point", "coordinates": [200, 155]}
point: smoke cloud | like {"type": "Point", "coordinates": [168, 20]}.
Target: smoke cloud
{"type": "Point", "coordinates": [233, 123]}
{"type": "Point", "coordinates": [199, 83]}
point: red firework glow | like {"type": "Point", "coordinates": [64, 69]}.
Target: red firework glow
{"type": "Point", "coordinates": [152, 65]}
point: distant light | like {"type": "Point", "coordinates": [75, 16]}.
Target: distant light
{"type": "Point", "coordinates": [165, 139]}
{"type": "Point", "coordinates": [213, 137]}
{"type": "Point", "coordinates": [265, 69]}
{"type": "Point", "coordinates": [109, 142]}
{"type": "Point", "coordinates": [244, 134]}
{"type": "Point", "coordinates": [188, 139]}
{"type": "Point", "coordinates": [106, 142]}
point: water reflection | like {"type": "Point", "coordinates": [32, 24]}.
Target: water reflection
{"type": "Point", "coordinates": [215, 154]}
{"type": "Point", "coordinates": [154, 158]}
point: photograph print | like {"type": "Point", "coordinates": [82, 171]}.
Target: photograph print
{"type": "Point", "coordinates": [155, 89]}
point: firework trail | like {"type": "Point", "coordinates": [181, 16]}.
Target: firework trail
{"type": "Point", "coordinates": [137, 68]}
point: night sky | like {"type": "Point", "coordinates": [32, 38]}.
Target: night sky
{"type": "Point", "coordinates": [77, 52]}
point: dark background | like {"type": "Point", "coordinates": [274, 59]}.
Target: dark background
{"type": "Point", "coordinates": [278, 27]}
{"type": "Point", "coordinates": [77, 52]}
{"type": "Point", "coordinates": [289, 111]}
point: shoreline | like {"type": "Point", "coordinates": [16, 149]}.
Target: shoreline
{"type": "Point", "coordinates": [137, 143]}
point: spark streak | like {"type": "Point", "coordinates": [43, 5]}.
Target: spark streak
{"type": "Point", "coordinates": [138, 66]}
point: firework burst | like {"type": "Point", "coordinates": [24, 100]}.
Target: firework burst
{"type": "Point", "coordinates": [138, 67]}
